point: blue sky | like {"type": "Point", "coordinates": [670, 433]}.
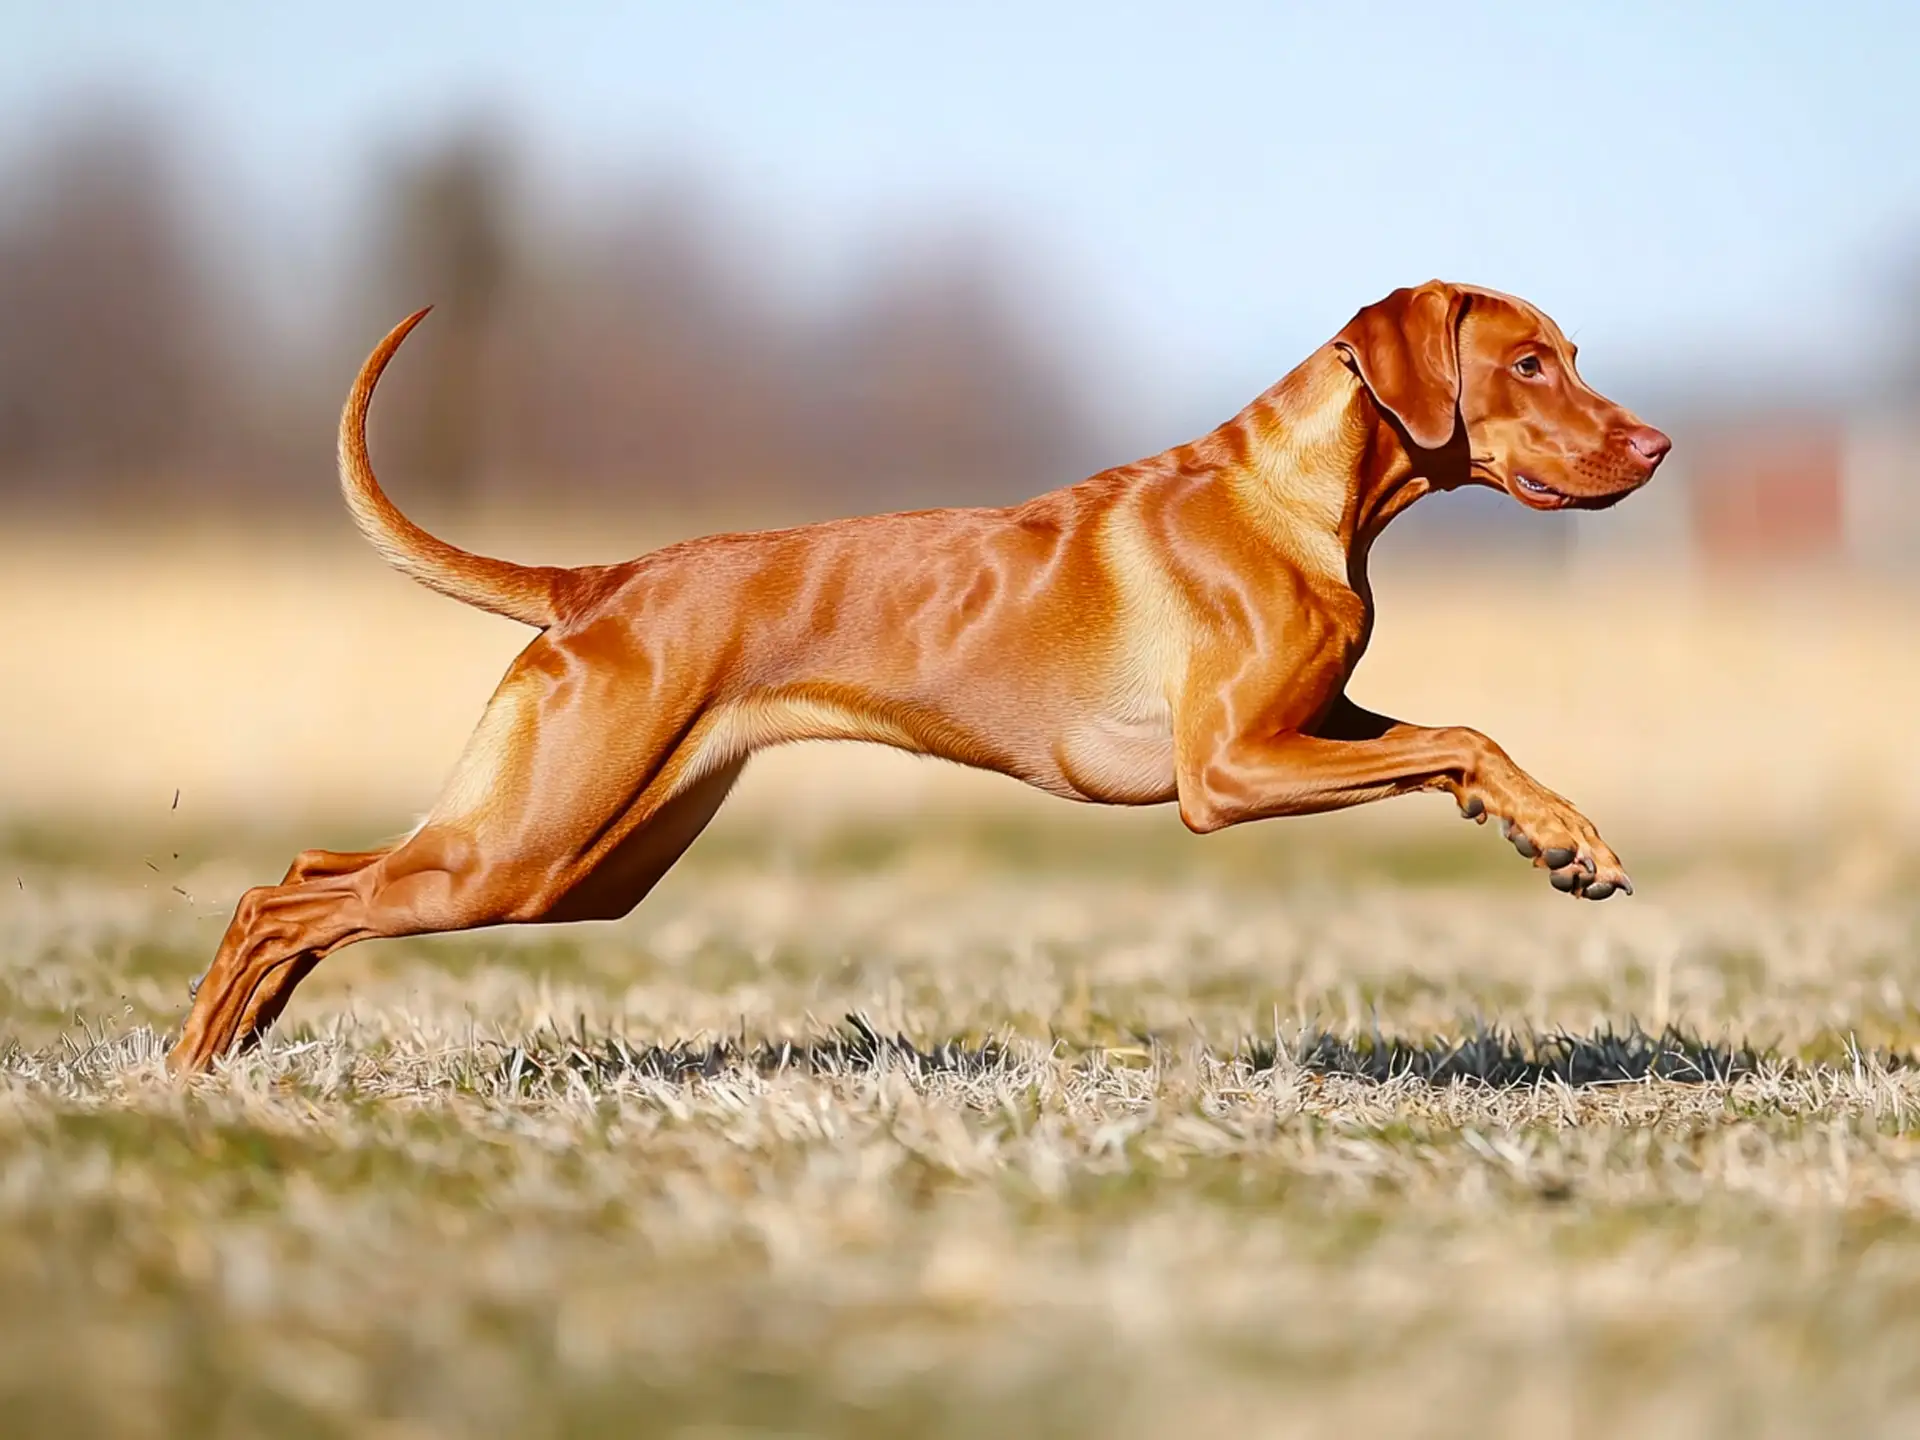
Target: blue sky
{"type": "Point", "coordinates": [1211, 189]}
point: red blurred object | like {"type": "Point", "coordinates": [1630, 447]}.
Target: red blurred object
{"type": "Point", "coordinates": [1768, 492]}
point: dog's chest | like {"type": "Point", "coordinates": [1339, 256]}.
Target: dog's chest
{"type": "Point", "coordinates": [1121, 754]}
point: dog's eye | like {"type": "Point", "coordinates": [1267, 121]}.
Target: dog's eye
{"type": "Point", "coordinates": [1527, 366]}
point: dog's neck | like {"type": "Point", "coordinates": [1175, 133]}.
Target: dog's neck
{"type": "Point", "coordinates": [1323, 469]}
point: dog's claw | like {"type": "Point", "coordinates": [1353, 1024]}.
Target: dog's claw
{"type": "Point", "coordinates": [1559, 857]}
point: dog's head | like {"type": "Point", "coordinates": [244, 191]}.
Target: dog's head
{"type": "Point", "coordinates": [1487, 384]}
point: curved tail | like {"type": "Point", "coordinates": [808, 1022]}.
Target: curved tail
{"type": "Point", "coordinates": [525, 593]}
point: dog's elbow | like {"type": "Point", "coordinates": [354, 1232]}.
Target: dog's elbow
{"type": "Point", "coordinates": [1203, 811]}
{"type": "Point", "coordinates": [1203, 819]}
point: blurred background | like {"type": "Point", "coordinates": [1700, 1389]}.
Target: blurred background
{"type": "Point", "coordinates": [704, 267]}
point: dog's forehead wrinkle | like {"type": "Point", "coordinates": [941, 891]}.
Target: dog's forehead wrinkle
{"type": "Point", "coordinates": [1524, 322]}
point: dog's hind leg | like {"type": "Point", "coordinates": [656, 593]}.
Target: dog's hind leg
{"type": "Point", "coordinates": [581, 788]}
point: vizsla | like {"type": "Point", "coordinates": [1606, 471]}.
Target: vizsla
{"type": "Point", "coordinates": [1179, 629]}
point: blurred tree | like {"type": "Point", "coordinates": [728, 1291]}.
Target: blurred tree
{"type": "Point", "coordinates": [446, 243]}
{"type": "Point", "coordinates": [107, 343]}
{"type": "Point", "coordinates": [639, 357]}
{"type": "Point", "coordinates": [939, 386]}
{"type": "Point", "coordinates": [1906, 336]}
{"type": "Point", "coordinates": [637, 347]}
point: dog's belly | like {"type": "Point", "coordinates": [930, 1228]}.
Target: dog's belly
{"type": "Point", "coordinates": [1120, 757]}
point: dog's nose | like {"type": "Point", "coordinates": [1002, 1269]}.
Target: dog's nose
{"type": "Point", "coordinates": [1649, 444]}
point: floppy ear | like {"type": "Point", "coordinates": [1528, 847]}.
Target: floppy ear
{"type": "Point", "coordinates": [1406, 350]}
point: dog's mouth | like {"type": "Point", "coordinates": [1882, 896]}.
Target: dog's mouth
{"type": "Point", "coordinates": [1539, 494]}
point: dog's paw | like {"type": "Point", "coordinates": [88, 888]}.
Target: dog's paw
{"type": "Point", "coordinates": [1577, 861]}
{"type": "Point", "coordinates": [1560, 840]}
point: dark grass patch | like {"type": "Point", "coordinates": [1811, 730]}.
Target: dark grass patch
{"type": "Point", "coordinates": [1488, 1056]}
{"type": "Point", "coordinates": [1498, 1058]}
{"type": "Point", "coordinates": [857, 1048]}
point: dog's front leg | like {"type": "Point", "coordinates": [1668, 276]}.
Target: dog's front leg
{"type": "Point", "coordinates": [1355, 757]}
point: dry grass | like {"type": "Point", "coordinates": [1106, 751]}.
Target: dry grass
{"type": "Point", "coordinates": [411, 1216]}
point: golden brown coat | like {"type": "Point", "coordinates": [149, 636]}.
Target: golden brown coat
{"type": "Point", "coordinates": [1179, 629]}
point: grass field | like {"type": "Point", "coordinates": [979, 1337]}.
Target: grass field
{"type": "Point", "coordinates": [457, 1195]}
{"type": "Point", "coordinates": [649, 1178]}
